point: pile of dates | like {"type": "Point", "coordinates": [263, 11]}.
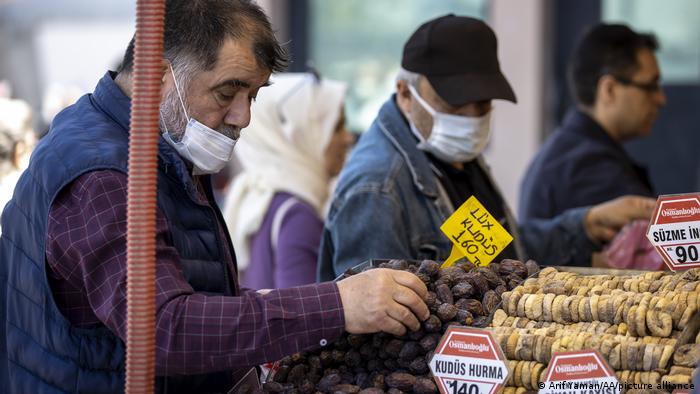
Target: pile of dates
{"type": "Point", "coordinates": [462, 295]}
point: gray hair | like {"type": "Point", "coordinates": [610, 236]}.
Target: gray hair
{"type": "Point", "coordinates": [409, 76]}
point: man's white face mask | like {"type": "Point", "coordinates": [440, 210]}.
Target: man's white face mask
{"type": "Point", "coordinates": [453, 138]}
{"type": "Point", "coordinates": [207, 149]}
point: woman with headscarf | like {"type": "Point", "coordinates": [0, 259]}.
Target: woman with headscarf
{"type": "Point", "coordinates": [16, 143]}
{"type": "Point", "coordinates": [295, 144]}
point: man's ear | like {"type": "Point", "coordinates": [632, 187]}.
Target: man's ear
{"type": "Point", "coordinates": [403, 96]}
{"type": "Point", "coordinates": [165, 70]}
{"type": "Point", "coordinates": [605, 91]}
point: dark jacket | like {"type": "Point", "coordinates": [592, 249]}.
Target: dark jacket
{"type": "Point", "coordinates": [579, 165]}
{"type": "Point", "coordinates": [40, 352]}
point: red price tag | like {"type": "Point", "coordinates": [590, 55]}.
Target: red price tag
{"type": "Point", "coordinates": [468, 361]}
{"type": "Point", "coordinates": [675, 230]}
{"type": "Point", "coordinates": [579, 372]}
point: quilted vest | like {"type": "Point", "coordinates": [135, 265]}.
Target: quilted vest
{"type": "Point", "coordinates": [40, 351]}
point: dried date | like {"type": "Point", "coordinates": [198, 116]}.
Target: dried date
{"type": "Point", "coordinates": [432, 324]}
{"type": "Point", "coordinates": [490, 301]}
{"type": "Point", "coordinates": [446, 312]}
{"type": "Point", "coordinates": [328, 381]}
{"type": "Point", "coordinates": [444, 294]}
{"type": "Point", "coordinates": [345, 388]}
{"type": "Point", "coordinates": [464, 317]}
{"type": "Point", "coordinates": [429, 267]}
{"type": "Point", "coordinates": [479, 282]}
{"type": "Point", "coordinates": [400, 380]}
{"type": "Point", "coordinates": [508, 267]}
{"type": "Point", "coordinates": [471, 305]}
{"type": "Point", "coordinates": [393, 347]}
{"type": "Point", "coordinates": [410, 350]}
{"type": "Point", "coordinates": [424, 386]}
{"type": "Point", "coordinates": [353, 358]}
{"type": "Point", "coordinates": [296, 374]}
{"type": "Point", "coordinates": [400, 265]}
{"type": "Point", "coordinates": [532, 267]}
{"type": "Point", "coordinates": [418, 366]}
{"type": "Point", "coordinates": [463, 289]}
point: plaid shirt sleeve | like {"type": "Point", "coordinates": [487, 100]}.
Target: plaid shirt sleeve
{"type": "Point", "coordinates": [195, 333]}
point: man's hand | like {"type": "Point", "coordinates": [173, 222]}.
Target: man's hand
{"type": "Point", "coordinates": [383, 300]}
{"type": "Point", "coordinates": [603, 221]}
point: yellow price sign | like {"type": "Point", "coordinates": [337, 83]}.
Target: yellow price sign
{"type": "Point", "coordinates": [475, 233]}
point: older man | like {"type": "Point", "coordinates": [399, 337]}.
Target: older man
{"type": "Point", "coordinates": [421, 159]}
{"type": "Point", "coordinates": [614, 78]}
{"type": "Point", "coordinates": [63, 248]}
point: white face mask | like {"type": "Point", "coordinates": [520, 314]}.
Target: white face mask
{"type": "Point", "coordinates": [453, 138]}
{"type": "Point", "coordinates": [207, 149]}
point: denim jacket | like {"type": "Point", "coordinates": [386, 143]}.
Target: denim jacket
{"type": "Point", "coordinates": [390, 204]}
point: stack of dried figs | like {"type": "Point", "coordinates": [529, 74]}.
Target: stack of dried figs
{"type": "Point", "coordinates": [458, 295]}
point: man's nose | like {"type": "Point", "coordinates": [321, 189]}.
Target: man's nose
{"type": "Point", "coordinates": [238, 112]}
{"type": "Point", "coordinates": [661, 97]}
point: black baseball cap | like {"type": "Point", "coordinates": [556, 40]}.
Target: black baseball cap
{"type": "Point", "coordinates": [459, 56]}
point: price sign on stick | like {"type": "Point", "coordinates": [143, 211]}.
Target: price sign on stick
{"type": "Point", "coordinates": [475, 234]}
{"type": "Point", "coordinates": [468, 361]}
{"type": "Point", "coordinates": [579, 372]}
{"type": "Point", "coordinates": [675, 230]}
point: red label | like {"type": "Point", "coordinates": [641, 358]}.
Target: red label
{"type": "Point", "coordinates": [581, 372]}
{"type": "Point", "coordinates": [577, 365]}
{"type": "Point", "coordinates": [674, 209]}
{"type": "Point", "coordinates": [675, 230]}
{"type": "Point", "coordinates": [468, 360]}
{"type": "Point", "coordinates": [468, 345]}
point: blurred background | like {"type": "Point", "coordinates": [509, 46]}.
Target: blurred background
{"type": "Point", "coordinates": [52, 52]}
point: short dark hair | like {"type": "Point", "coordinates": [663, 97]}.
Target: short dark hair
{"type": "Point", "coordinates": [196, 30]}
{"type": "Point", "coordinates": [605, 49]}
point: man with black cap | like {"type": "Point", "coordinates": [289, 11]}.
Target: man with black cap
{"type": "Point", "coordinates": [421, 159]}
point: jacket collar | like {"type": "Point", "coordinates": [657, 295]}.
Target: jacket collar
{"type": "Point", "coordinates": [580, 123]}
{"type": "Point", "coordinates": [110, 99]}
{"type": "Point", "coordinates": [395, 128]}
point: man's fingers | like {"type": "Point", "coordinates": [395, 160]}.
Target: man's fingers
{"type": "Point", "coordinates": [404, 316]}
{"type": "Point", "coordinates": [411, 281]}
{"type": "Point", "coordinates": [607, 234]}
{"type": "Point", "coordinates": [392, 326]}
{"type": "Point", "coordinates": [410, 299]}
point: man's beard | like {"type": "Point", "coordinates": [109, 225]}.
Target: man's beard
{"type": "Point", "coordinates": [173, 118]}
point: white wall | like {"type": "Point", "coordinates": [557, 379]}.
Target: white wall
{"type": "Point", "coordinates": [520, 28]}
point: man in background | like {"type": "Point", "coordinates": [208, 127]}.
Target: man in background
{"type": "Point", "coordinates": [615, 81]}
{"type": "Point", "coordinates": [421, 159]}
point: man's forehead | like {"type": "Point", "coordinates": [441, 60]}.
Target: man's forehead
{"type": "Point", "coordinates": [237, 65]}
{"type": "Point", "coordinates": [648, 63]}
